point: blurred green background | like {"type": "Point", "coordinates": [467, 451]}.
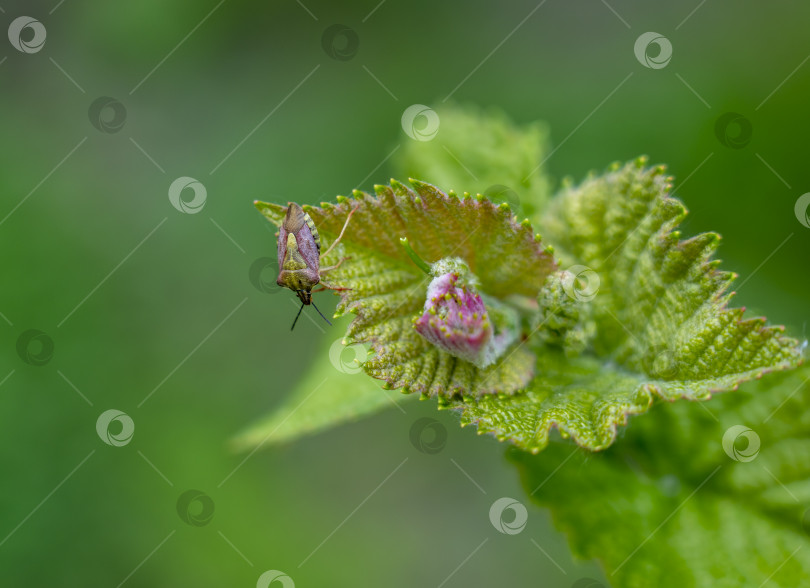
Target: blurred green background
{"type": "Point", "coordinates": [141, 299]}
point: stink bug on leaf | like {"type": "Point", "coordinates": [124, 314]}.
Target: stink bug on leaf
{"type": "Point", "coordinates": [299, 256]}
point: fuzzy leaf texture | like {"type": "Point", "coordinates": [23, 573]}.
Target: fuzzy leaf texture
{"type": "Point", "coordinates": [690, 497]}
{"type": "Point", "coordinates": [386, 291]}
{"type": "Point", "coordinates": [658, 310]}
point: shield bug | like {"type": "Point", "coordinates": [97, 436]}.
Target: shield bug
{"type": "Point", "coordinates": [299, 256]}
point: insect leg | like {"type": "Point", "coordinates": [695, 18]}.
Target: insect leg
{"type": "Point", "coordinates": [331, 267]}
{"type": "Point", "coordinates": [348, 218]}
{"type": "Point", "coordinates": [328, 287]}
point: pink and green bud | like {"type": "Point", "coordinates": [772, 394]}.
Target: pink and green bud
{"type": "Point", "coordinates": [457, 320]}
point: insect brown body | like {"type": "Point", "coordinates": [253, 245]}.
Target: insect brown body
{"type": "Point", "coordinates": [299, 255]}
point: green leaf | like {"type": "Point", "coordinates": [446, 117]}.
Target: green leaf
{"type": "Point", "coordinates": [669, 506]}
{"type": "Point", "coordinates": [662, 326]}
{"type": "Point", "coordinates": [386, 290]}
{"type": "Point", "coordinates": [482, 151]}
{"type": "Point", "coordinates": [333, 391]}
{"type": "Point", "coordinates": [577, 395]}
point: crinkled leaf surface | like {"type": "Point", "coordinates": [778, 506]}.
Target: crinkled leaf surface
{"type": "Point", "coordinates": [666, 506]}
{"type": "Point", "coordinates": [386, 290]}
{"type": "Point", "coordinates": [333, 391]}
{"type": "Point", "coordinates": [663, 327]}
{"type": "Point", "coordinates": [577, 395]}
{"type": "Point", "coordinates": [481, 150]}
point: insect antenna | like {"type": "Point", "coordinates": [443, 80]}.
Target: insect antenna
{"type": "Point", "coordinates": [323, 317]}
{"type": "Point", "coordinates": [296, 316]}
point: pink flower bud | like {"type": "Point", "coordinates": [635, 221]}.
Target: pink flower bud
{"type": "Point", "coordinates": [456, 320]}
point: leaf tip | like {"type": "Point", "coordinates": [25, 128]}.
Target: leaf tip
{"type": "Point", "coordinates": [641, 161]}
{"type": "Point", "coordinates": [397, 185]}
{"type": "Point", "coordinates": [420, 186]}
